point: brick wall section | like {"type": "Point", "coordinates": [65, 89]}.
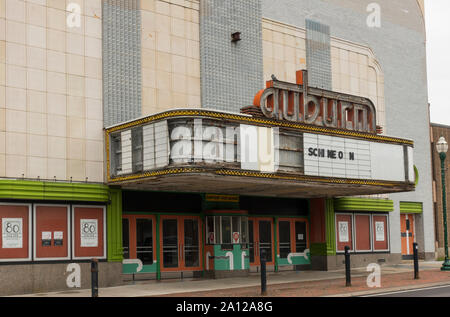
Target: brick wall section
{"type": "Point", "coordinates": [438, 131]}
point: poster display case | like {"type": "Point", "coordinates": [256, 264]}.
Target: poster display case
{"type": "Point", "coordinates": [15, 238]}
{"type": "Point", "coordinates": [363, 233]}
{"type": "Point", "coordinates": [89, 229]}
{"type": "Point", "coordinates": [51, 232]}
{"type": "Point", "coordinates": [380, 229]}
{"type": "Point", "coordinates": [344, 232]}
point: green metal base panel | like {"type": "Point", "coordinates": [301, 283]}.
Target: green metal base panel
{"type": "Point", "coordinates": [227, 260]}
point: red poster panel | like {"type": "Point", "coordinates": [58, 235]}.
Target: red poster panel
{"type": "Point", "coordinates": [15, 232]}
{"type": "Point", "coordinates": [344, 230]}
{"type": "Point", "coordinates": [362, 233]}
{"type": "Point", "coordinates": [88, 231]}
{"type": "Point", "coordinates": [51, 234]}
{"type": "Point", "coordinates": [380, 233]}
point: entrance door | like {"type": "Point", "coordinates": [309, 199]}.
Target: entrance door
{"type": "Point", "coordinates": [407, 233]}
{"type": "Point", "coordinates": [138, 238]}
{"type": "Point", "coordinates": [261, 240]}
{"type": "Point", "coordinates": [180, 243]}
{"type": "Point", "coordinates": [292, 236]}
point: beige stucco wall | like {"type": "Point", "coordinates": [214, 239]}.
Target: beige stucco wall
{"type": "Point", "coordinates": [170, 55]}
{"type": "Point", "coordinates": [354, 67]}
{"type": "Point", "coordinates": [50, 91]}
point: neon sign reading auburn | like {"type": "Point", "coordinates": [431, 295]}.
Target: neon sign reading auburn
{"type": "Point", "coordinates": [300, 103]}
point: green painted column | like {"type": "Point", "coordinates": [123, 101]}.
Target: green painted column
{"type": "Point", "coordinates": [158, 246]}
{"type": "Point", "coordinates": [330, 235]}
{"type": "Point", "coordinates": [114, 225]}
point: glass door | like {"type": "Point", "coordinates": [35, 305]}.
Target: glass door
{"type": "Point", "coordinates": [251, 244]}
{"type": "Point", "coordinates": [300, 236]}
{"type": "Point", "coordinates": [180, 238]}
{"type": "Point", "coordinates": [292, 237]}
{"type": "Point", "coordinates": [144, 240]}
{"type": "Point", "coordinates": [265, 239]}
{"type": "Point", "coordinates": [170, 247]}
{"type": "Point", "coordinates": [191, 246]}
{"type": "Point", "coordinates": [284, 233]}
{"type": "Point", "coordinates": [138, 238]}
{"type": "Point", "coordinates": [260, 240]}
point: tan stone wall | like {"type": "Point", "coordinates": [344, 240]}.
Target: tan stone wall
{"type": "Point", "coordinates": [22, 279]}
{"type": "Point", "coordinates": [354, 67]}
{"type": "Point", "coordinates": [50, 91]}
{"type": "Point", "coordinates": [170, 55]}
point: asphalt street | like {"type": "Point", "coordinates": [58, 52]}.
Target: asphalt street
{"type": "Point", "coordinates": [437, 291]}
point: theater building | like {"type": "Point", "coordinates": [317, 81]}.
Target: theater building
{"type": "Point", "coordinates": [185, 138]}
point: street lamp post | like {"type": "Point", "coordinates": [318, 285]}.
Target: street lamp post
{"type": "Point", "coordinates": [442, 148]}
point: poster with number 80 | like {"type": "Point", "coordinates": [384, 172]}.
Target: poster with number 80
{"type": "Point", "coordinates": [89, 232]}
{"type": "Point", "coordinates": [12, 233]}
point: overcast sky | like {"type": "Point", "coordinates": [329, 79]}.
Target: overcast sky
{"type": "Point", "coordinates": [438, 55]}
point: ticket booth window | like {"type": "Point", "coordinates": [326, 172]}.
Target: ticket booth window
{"type": "Point", "coordinates": [244, 231]}
{"type": "Point", "coordinates": [217, 230]}
{"type": "Point", "coordinates": [236, 221]}
{"type": "Point", "coordinates": [227, 230]}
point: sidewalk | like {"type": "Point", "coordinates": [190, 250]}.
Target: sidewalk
{"type": "Point", "coordinates": [285, 284]}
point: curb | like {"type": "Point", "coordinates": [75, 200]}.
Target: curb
{"type": "Point", "coordinates": [389, 290]}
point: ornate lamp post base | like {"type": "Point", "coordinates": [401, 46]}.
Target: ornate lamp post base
{"type": "Point", "coordinates": [446, 265]}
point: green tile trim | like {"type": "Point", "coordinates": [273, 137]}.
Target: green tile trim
{"type": "Point", "coordinates": [295, 260]}
{"type": "Point", "coordinates": [222, 261]}
{"type": "Point", "coordinates": [363, 204]}
{"type": "Point", "coordinates": [40, 190]}
{"type": "Point", "coordinates": [330, 227]}
{"type": "Point", "coordinates": [132, 268]}
{"type": "Point", "coordinates": [114, 226]}
{"type": "Point", "coordinates": [407, 207]}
